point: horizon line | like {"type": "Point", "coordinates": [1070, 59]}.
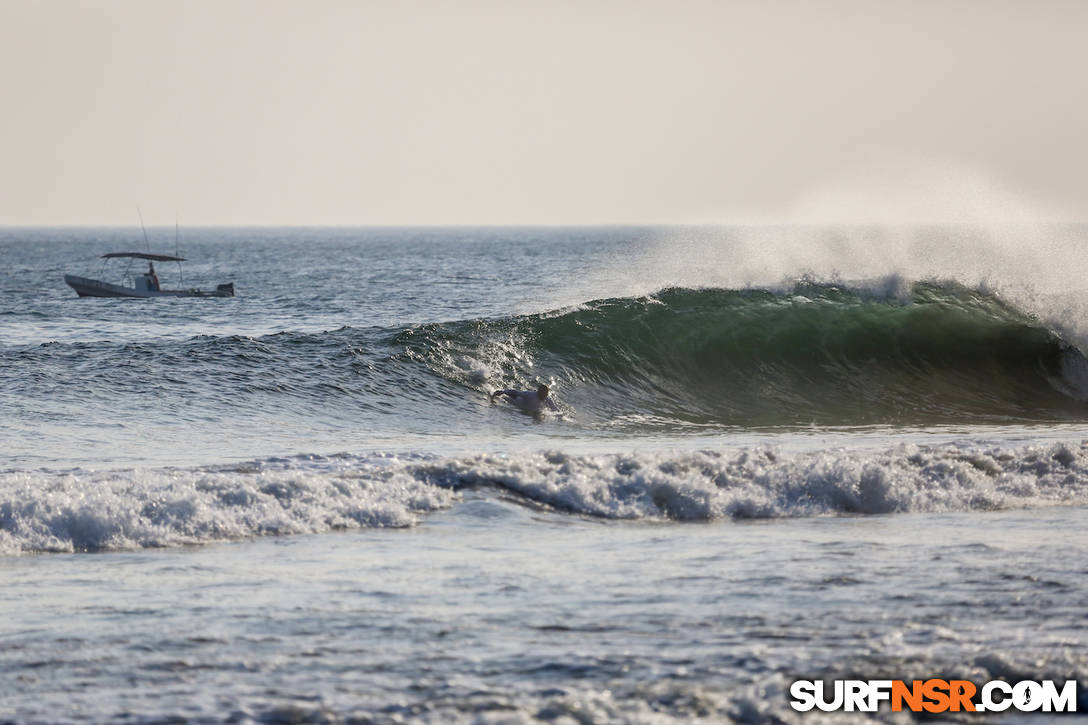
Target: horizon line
{"type": "Point", "coordinates": [575, 225]}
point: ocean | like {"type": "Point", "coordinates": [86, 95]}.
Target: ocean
{"type": "Point", "coordinates": [779, 453]}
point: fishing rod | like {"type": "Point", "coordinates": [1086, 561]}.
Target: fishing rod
{"type": "Point", "coordinates": [176, 252]}
{"type": "Point", "coordinates": [144, 230]}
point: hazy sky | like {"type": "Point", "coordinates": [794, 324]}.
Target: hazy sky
{"type": "Point", "coordinates": [337, 112]}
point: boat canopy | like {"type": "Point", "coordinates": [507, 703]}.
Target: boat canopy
{"type": "Point", "coordinates": [143, 255]}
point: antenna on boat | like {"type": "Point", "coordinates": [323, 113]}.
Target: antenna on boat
{"type": "Point", "coordinates": [176, 253]}
{"type": "Point", "coordinates": [143, 229]}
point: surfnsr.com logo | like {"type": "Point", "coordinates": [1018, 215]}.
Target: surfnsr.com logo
{"type": "Point", "coordinates": [934, 696]}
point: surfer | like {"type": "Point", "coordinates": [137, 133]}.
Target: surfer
{"type": "Point", "coordinates": [528, 400]}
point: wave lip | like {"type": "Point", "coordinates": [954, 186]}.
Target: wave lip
{"type": "Point", "coordinates": [812, 353]}
{"type": "Point", "coordinates": [889, 352]}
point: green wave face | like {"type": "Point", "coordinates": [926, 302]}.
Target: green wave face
{"type": "Point", "coordinates": [815, 354]}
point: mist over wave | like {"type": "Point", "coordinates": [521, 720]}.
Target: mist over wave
{"type": "Point", "coordinates": [810, 353]}
{"type": "Point", "coordinates": [891, 352]}
{"type": "Point", "coordinates": [677, 333]}
{"type": "Point", "coordinates": [884, 428]}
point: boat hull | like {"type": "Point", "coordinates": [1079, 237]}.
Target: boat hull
{"type": "Point", "coordinates": [86, 287]}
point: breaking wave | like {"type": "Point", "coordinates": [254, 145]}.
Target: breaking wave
{"type": "Point", "coordinates": [894, 353]}
{"type": "Point", "coordinates": [815, 353]}
{"type": "Point", "coordinates": [80, 510]}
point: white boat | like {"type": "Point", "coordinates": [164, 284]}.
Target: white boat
{"type": "Point", "coordinates": [142, 285]}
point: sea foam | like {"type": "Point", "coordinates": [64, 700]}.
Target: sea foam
{"type": "Point", "coordinates": [81, 510]}
{"type": "Point", "coordinates": [763, 483]}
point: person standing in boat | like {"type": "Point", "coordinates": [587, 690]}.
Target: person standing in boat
{"type": "Point", "coordinates": [152, 278]}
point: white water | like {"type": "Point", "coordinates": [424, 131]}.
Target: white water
{"type": "Point", "coordinates": [498, 612]}
{"type": "Point", "coordinates": [83, 510]}
{"type": "Point", "coordinates": [496, 568]}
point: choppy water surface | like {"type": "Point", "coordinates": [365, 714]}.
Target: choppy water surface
{"type": "Point", "coordinates": [494, 611]}
{"type": "Point", "coordinates": [298, 504]}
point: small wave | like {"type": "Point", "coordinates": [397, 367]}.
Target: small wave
{"type": "Point", "coordinates": [762, 483]}
{"type": "Point", "coordinates": [43, 511]}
